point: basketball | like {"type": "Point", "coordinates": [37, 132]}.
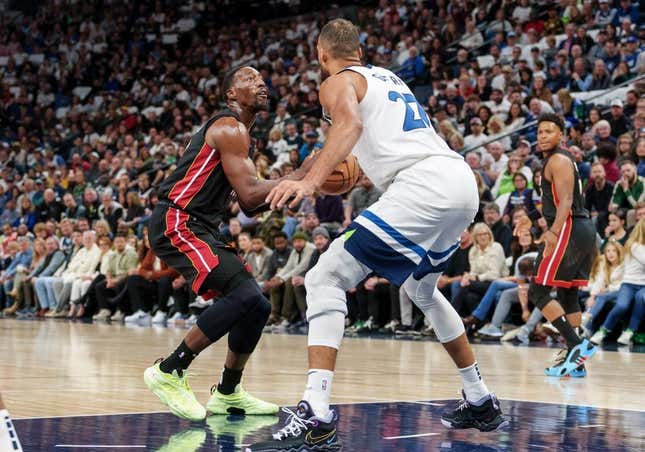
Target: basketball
{"type": "Point", "coordinates": [343, 178]}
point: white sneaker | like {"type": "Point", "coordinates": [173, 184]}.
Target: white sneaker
{"type": "Point", "coordinates": [138, 316]}
{"type": "Point", "coordinates": [192, 320]}
{"type": "Point", "coordinates": [200, 303]}
{"type": "Point", "coordinates": [103, 314]}
{"type": "Point", "coordinates": [176, 316]}
{"type": "Point", "coordinates": [598, 337]}
{"type": "Point", "coordinates": [626, 337]}
{"type": "Point", "coordinates": [160, 317]}
{"type": "Point", "coordinates": [118, 316]}
{"type": "Point", "coordinates": [282, 326]}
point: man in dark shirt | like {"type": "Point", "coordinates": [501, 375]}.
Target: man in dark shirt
{"type": "Point", "coordinates": [329, 209]}
{"type": "Point", "coordinates": [50, 209]}
{"type": "Point", "coordinates": [361, 197]}
{"type": "Point", "coordinates": [598, 195]}
{"type": "Point", "coordinates": [457, 265]}
{"type": "Point", "coordinates": [617, 119]}
{"type": "Point", "coordinates": [502, 232]}
{"type": "Point", "coordinates": [281, 253]}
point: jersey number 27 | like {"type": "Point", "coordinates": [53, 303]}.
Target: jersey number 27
{"type": "Point", "coordinates": [415, 115]}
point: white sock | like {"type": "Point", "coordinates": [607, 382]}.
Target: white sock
{"type": "Point", "coordinates": [318, 391]}
{"type": "Point", "coordinates": [474, 386]}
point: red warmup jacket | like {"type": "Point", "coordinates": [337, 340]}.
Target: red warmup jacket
{"type": "Point", "coordinates": [146, 268]}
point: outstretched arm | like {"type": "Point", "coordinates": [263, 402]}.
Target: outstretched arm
{"type": "Point", "coordinates": [339, 95]}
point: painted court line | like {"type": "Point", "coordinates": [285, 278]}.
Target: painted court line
{"type": "Point", "coordinates": [418, 435]}
{"type": "Point", "coordinates": [99, 446]}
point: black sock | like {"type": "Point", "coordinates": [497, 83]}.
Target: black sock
{"type": "Point", "coordinates": [179, 360]}
{"type": "Point", "coordinates": [567, 331]}
{"type": "Point", "coordinates": [230, 379]}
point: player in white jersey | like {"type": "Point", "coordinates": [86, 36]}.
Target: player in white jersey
{"type": "Point", "coordinates": [407, 236]}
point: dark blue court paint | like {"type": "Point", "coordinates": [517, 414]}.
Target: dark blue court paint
{"type": "Point", "coordinates": [363, 427]}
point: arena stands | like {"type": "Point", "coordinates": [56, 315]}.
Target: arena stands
{"type": "Point", "coordinates": [98, 105]}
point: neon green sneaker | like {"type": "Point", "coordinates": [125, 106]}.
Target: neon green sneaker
{"type": "Point", "coordinates": [187, 441]}
{"type": "Point", "coordinates": [240, 402]}
{"type": "Point", "coordinates": [237, 428]}
{"type": "Point", "coordinates": [174, 391]}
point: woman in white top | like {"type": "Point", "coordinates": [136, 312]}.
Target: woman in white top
{"type": "Point", "coordinates": [487, 263]}
{"type": "Point", "coordinates": [632, 285]}
{"type": "Point", "coordinates": [278, 146]}
{"type": "Point", "coordinates": [604, 281]}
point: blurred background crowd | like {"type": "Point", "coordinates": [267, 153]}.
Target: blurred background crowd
{"type": "Point", "coordinates": [100, 98]}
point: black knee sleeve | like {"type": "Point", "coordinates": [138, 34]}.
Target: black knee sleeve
{"type": "Point", "coordinates": [540, 295]}
{"type": "Point", "coordinates": [568, 298]}
{"type": "Point", "coordinates": [244, 305]}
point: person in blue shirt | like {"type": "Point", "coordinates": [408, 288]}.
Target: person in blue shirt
{"type": "Point", "coordinates": [626, 9]}
{"type": "Point", "coordinates": [413, 69]}
{"type": "Point", "coordinates": [26, 216]}
{"type": "Point", "coordinates": [640, 157]}
{"type": "Point", "coordinates": [311, 143]}
{"type": "Point", "coordinates": [22, 259]}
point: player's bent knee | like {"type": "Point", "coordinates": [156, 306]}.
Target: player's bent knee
{"type": "Point", "coordinates": [540, 295]}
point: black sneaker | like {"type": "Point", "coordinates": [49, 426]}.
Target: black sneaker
{"type": "Point", "coordinates": [302, 432]}
{"type": "Point", "coordinates": [485, 417]}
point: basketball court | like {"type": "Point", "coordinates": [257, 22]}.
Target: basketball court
{"type": "Point", "coordinates": [73, 386]}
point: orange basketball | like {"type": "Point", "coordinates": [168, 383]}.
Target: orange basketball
{"type": "Point", "coordinates": [343, 178]}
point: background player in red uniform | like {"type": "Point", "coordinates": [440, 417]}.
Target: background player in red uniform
{"type": "Point", "coordinates": [569, 248]}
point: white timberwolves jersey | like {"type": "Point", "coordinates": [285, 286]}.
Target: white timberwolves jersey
{"type": "Point", "coordinates": [397, 132]}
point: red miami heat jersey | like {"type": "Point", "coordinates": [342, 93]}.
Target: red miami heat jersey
{"type": "Point", "coordinates": [198, 185]}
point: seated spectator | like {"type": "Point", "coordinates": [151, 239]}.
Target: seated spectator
{"type": "Point", "coordinates": [360, 198]}
{"type": "Point", "coordinates": [485, 196]}
{"type": "Point", "coordinates": [296, 264]}
{"type": "Point", "coordinates": [277, 260]}
{"type": "Point", "coordinates": [39, 251]}
{"type": "Point", "coordinates": [321, 243]}
{"type": "Point", "coordinates": [477, 136]}
{"type": "Point", "coordinates": [603, 133]}
{"type": "Point", "coordinates": [487, 263]}
{"type": "Point", "coordinates": [50, 208]}
{"type": "Point", "coordinates": [413, 68]}
{"type": "Point", "coordinates": [633, 283]}
{"type": "Point", "coordinates": [625, 146]}
{"type": "Point", "coordinates": [110, 210]}
{"type": "Point", "coordinates": [502, 232]}
{"type": "Point", "coordinates": [22, 259]}
{"type": "Point", "coordinates": [329, 209]}
{"type": "Point", "coordinates": [53, 260]}
{"type": "Point", "coordinates": [606, 154]}
{"type": "Point", "coordinates": [617, 119]}
{"type": "Point", "coordinates": [310, 145]}
{"type": "Point", "coordinates": [120, 261]}
{"type": "Point", "coordinates": [87, 301]}
{"type": "Point", "coordinates": [605, 279]}
{"type": "Point", "coordinates": [244, 244]}
{"type": "Point", "coordinates": [629, 190]}
{"type": "Point", "coordinates": [523, 248]}
{"type": "Point", "coordinates": [258, 258]}
{"type": "Point", "coordinates": [278, 146]}
{"type": "Point", "coordinates": [504, 183]}
{"type": "Point", "coordinates": [598, 196]}
{"type": "Point", "coordinates": [103, 229]}
{"type": "Point", "coordinates": [26, 214]}
{"type": "Point", "coordinates": [82, 266]}
{"type": "Point", "coordinates": [498, 160]}
{"type": "Point", "coordinates": [135, 215]}
{"type": "Point", "coordinates": [520, 196]}
{"type": "Point", "coordinates": [640, 156]}
{"type": "Point", "coordinates": [615, 230]}
{"type": "Point", "coordinates": [457, 266]}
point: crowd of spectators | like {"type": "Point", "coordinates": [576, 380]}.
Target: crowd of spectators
{"type": "Point", "coordinates": [99, 100]}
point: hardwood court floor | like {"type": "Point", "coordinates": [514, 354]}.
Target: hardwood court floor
{"type": "Point", "coordinates": [61, 368]}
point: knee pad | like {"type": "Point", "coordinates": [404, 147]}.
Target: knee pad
{"type": "Point", "coordinates": [540, 295]}
{"type": "Point", "coordinates": [245, 300]}
{"type": "Point", "coordinates": [568, 298]}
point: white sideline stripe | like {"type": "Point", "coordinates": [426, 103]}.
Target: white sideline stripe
{"type": "Point", "coordinates": [589, 426]}
{"type": "Point", "coordinates": [97, 446]}
{"type": "Point", "coordinates": [427, 403]}
{"type": "Point", "coordinates": [418, 435]}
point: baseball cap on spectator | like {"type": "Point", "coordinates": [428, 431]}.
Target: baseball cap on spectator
{"type": "Point", "coordinates": [311, 134]}
{"type": "Point", "coordinates": [95, 155]}
{"type": "Point", "coordinates": [320, 230]}
{"type": "Point", "coordinates": [617, 103]}
{"type": "Point", "coordinates": [476, 120]}
{"type": "Point", "coordinates": [299, 235]}
{"type": "Point", "coordinates": [524, 142]}
{"type": "Point", "coordinates": [511, 34]}
{"type": "Point", "coordinates": [631, 39]}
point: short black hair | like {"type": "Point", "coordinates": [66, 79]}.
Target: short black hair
{"type": "Point", "coordinates": [281, 234]}
{"type": "Point", "coordinates": [550, 117]}
{"type": "Point", "coordinates": [228, 81]}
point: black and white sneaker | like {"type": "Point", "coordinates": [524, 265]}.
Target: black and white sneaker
{"type": "Point", "coordinates": [485, 417]}
{"type": "Point", "coordinates": [302, 432]}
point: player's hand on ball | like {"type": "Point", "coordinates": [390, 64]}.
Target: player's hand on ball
{"type": "Point", "coordinates": [281, 193]}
